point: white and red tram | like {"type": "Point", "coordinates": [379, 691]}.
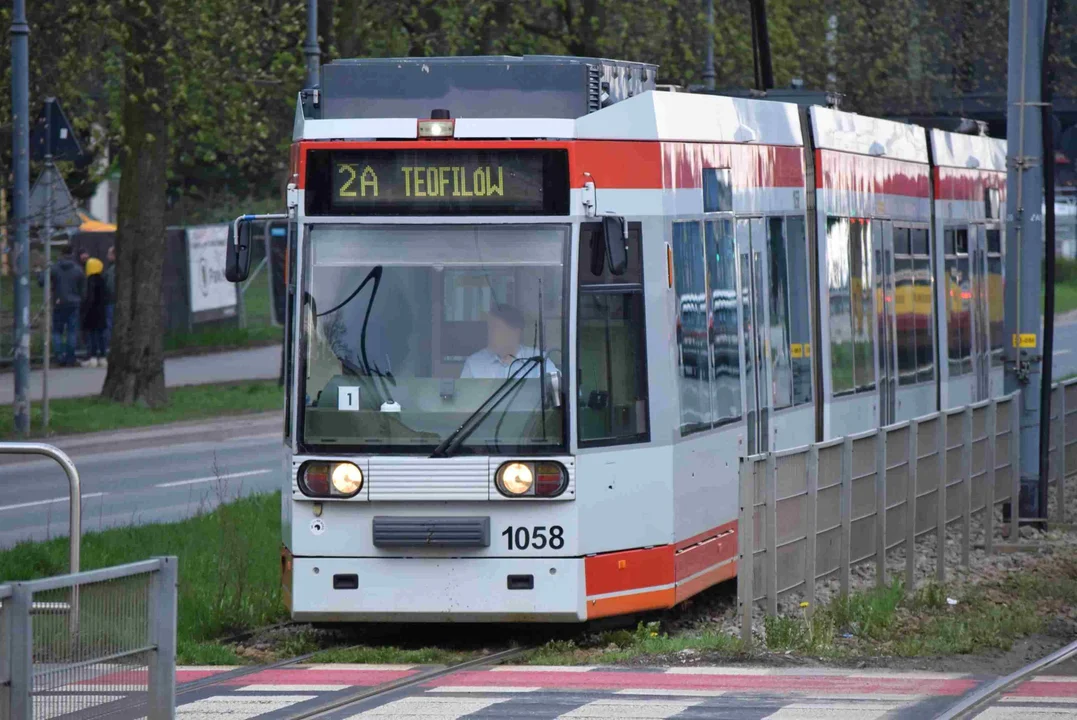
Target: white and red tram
{"type": "Point", "coordinates": [538, 309]}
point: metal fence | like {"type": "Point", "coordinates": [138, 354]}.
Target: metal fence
{"type": "Point", "coordinates": [816, 511]}
{"type": "Point", "coordinates": [1063, 447]}
{"type": "Point", "coordinates": [93, 644]}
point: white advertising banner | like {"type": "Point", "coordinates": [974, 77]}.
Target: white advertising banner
{"type": "Point", "coordinates": [206, 256]}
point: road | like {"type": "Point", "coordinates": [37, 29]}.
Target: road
{"type": "Point", "coordinates": [166, 481]}
{"type": "Point", "coordinates": [1065, 353]}
{"type": "Point", "coordinates": [253, 364]}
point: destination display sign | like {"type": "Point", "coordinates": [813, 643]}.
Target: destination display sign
{"type": "Point", "coordinates": [437, 182]}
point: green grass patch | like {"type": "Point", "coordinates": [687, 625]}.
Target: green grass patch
{"type": "Point", "coordinates": [227, 334]}
{"type": "Point", "coordinates": [617, 646]}
{"type": "Point", "coordinates": [193, 402]}
{"type": "Point", "coordinates": [229, 569]}
{"type": "Point", "coordinates": [1065, 297]}
{"type": "Point", "coordinates": [936, 620]}
{"type": "Point", "coordinates": [391, 654]}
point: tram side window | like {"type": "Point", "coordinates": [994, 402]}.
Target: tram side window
{"type": "Point", "coordinates": [913, 304]}
{"type": "Point", "coordinates": [781, 379]}
{"type": "Point", "coordinates": [852, 345]}
{"type": "Point", "coordinates": [289, 324]}
{"type": "Point", "coordinates": [611, 347]}
{"type": "Point", "coordinates": [690, 282]}
{"type": "Point", "coordinates": [725, 335]}
{"type": "Point", "coordinates": [958, 301]}
{"type": "Point", "coordinates": [799, 309]}
{"type": "Point", "coordinates": [995, 299]}
{"type": "Point", "coordinates": [717, 190]}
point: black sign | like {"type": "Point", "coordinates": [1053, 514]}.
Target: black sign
{"type": "Point", "coordinates": [437, 182]}
{"type": "Point", "coordinates": [53, 135]}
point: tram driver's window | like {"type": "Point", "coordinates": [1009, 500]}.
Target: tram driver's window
{"type": "Point", "coordinates": [611, 352]}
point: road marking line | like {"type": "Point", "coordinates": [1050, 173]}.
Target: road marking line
{"type": "Point", "coordinates": [832, 711]}
{"type": "Point", "coordinates": [635, 708]}
{"type": "Point", "coordinates": [490, 689]}
{"type": "Point", "coordinates": [671, 692]}
{"type": "Point", "coordinates": [439, 708]}
{"type": "Point", "coordinates": [35, 503]}
{"type": "Point", "coordinates": [227, 476]}
{"type": "Point", "coordinates": [235, 707]}
{"type": "Point", "coordinates": [293, 688]}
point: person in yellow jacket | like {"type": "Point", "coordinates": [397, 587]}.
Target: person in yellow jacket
{"type": "Point", "coordinates": [94, 313]}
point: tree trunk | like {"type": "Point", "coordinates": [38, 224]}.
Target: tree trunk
{"type": "Point", "coordinates": [136, 361]}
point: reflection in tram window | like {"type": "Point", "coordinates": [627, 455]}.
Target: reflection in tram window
{"type": "Point", "coordinates": [799, 309]}
{"type": "Point", "coordinates": [994, 294]}
{"type": "Point", "coordinates": [612, 392]}
{"type": "Point", "coordinates": [725, 337]}
{"type": "Point", "coordinates": [690, 281]}
{"type": "Point", "coordinates": [717, 190]}
{"type": "Point", "coordinates": [778, 333]}
{"type": "Point", "coordinates": [924, 307]}
{"type": "Point", "coordinates": [913, 306]}
{"type": "Point", "coordinates": [840, 314]}
{"type": "Point", "coordinates": [958, 301]}
{"type": "Point", "coordinates": [862, 304]}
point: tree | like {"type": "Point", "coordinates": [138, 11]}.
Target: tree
{"type": "Point", "coordinates": [136, 364]}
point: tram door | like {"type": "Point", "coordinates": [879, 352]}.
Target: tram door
{"type": "Point", "coordinates": [885, 319]}
{"type": "Point", "coordinates": [980, 319]}
{"type": "Point", "coordinates": [752, 246]}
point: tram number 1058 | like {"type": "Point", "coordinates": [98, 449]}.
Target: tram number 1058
{"type": "Point", "coordinates": [537, 537]}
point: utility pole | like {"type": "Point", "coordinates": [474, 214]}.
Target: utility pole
{"type": "Point", "coordinates": [20, 156]}
{"type": "Point", "coordinates": [310, 48]}
{"type": "Point", "coordinates": [764, 69]}
{"type": "Point", "coordinates": [708, 69]}
{"type": "Point", "coordinates": [1024, 236]}
{"type": "Point", "coordinates": [48, 265]}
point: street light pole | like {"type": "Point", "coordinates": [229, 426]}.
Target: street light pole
{"type": "Point", "coordinates": [708, 69]}
{"type": "Point", "coordinates": [1024, 237]}
{"type": "Point", "coordinates": [20, 110]}
{"type": "Point", "coordinates": [310, 48]}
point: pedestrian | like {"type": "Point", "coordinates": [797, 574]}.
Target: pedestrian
{"type": "Point", "coordinates": [110, 286]}
{"type": "Point", "coordinates": [68, 283]}
{"type": "Point", "coordinates": [94, 320]}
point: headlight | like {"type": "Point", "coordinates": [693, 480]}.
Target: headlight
{"type": "Point", "coordinates": [347, 479]}
{"type": "Point", "coordinates": [515, 478]}
{"type": "Point", "coordinates": [322, 479]}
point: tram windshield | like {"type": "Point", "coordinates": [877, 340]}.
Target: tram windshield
{"type": "Point", "coordinates": [411, 332]}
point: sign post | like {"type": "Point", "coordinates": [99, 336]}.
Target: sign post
{"type": "Point", "coordinates": [53, 134]}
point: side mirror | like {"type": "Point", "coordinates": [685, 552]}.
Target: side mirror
{"type": "Point", "coordinates": [237, 263]}
{"type": "Point", "coordinates": [555, 387]}
{"type": "Point", "coordinates": [613, 228]}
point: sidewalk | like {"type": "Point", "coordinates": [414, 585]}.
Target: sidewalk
{"type": "Point", "coordinates": [255, 364]}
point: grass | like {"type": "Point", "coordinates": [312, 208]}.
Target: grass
{"type": "Point", "coordinates": [391, 654]}
{"type": "Point", "coordinates": [227, 334]}
{"type": "Point", "coordinates": [80, 415]}
{"type": "Point", "coordinates": [229, 569]}
{"type": "Point", "coordinates": [1065, 297]}
{"type": "Point", "coordinates": [618, 646]}
{"type": "Point", "coordinates": [880, 622]}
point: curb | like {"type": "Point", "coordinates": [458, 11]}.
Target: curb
{"type": "Point", "coordinates": [226, 428]}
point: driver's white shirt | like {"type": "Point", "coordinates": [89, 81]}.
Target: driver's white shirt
{"type": "Point", "coordinates": [488, 364]}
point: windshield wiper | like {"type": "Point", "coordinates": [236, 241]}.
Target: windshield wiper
{"type": "Point", "coordinates": [454, 439]}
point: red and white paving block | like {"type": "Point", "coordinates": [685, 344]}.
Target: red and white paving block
{"type": "Point", "coordinates": [581, 693]}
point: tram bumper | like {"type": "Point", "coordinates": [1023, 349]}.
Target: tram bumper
{"type": "Point", "coordinates": [331, 589]}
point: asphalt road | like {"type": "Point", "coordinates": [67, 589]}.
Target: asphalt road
{"type": "Point", "coordinates": [1065, 352]}
{"type": "Point", "coordinates": [162, 483]}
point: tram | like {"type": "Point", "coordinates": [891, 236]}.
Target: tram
{"type": "Point", "coordinates": [538, 308]}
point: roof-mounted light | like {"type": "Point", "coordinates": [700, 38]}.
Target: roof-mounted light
{"type": "Point", "coordinates": [435, 128]}
{"type": "Point", "coordinates": [438, 126]}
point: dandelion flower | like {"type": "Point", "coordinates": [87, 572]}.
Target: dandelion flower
{"type": "Point", "coordinates": [805, 604]}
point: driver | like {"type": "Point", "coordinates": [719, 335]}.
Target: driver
{"type": "Point", "coordinates": [503, 353]}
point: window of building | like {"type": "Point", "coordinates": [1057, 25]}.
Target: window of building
{"type": "Point", "coordinates": [611, 353]}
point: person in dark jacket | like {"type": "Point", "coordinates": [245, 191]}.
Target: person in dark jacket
{"type": "Point", "coordinates": [94, 317]}
{"type": "Point", "coordinates": [68, 284]}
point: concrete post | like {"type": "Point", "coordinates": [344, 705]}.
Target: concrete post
{"type": "Point", "coordinates": [20, 157]}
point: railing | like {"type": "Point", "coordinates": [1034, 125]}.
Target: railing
{"type": "Point", "coordinates": [113, 651]}
{"type": "Point", "coordinates": [74, 489]}
{"type": "Point", "coordinates": [1063, 447]}
{"type": "Point", "coordinates": [816, 511]}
